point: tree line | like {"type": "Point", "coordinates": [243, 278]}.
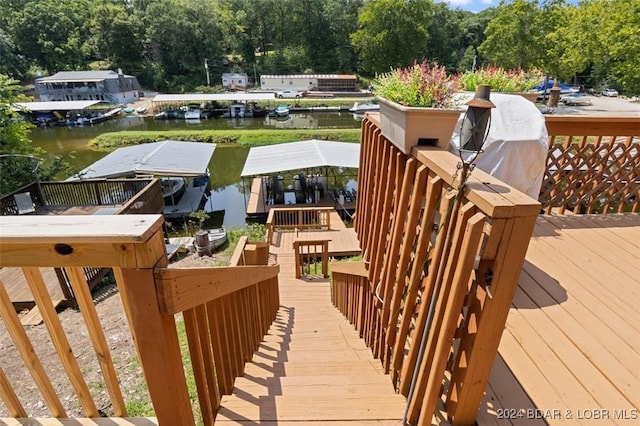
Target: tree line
{"type": "Point", "coordinates": [165, 43]}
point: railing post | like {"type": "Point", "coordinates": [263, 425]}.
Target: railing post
{"type": "Point", "coordinates": [155, 336]}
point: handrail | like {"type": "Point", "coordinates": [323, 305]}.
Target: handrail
{"type": "Point", "coordinates": [226, 310]}
{"type": "Point", "coordinates": [434, 255]}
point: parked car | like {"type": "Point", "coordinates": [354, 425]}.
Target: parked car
{"type": "Point", "coordinates": [289, 94]}
{"type": "Point", "coordinates": [577, 99]}
{"type": "Point", "coordinates": [610, 92]}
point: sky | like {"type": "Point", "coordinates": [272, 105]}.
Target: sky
{"type": "Point", "coordinates": [478, 5]}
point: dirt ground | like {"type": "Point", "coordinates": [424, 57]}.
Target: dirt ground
{"type": "Point", "coordinates": [109, 307]}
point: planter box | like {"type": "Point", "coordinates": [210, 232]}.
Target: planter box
{"type": "Point", "coordinates": [407, 127]}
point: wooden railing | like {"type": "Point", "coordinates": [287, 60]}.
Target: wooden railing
{"type": "Point", "coordinates": [440, 268]}
{"type": "Point", "coordinates": [309, 254]}
{"type": "Point", "coordinates": [136, 196]}
{"type": "Point", "coordinates": [226, 311]}
{"type": "Point", "coordinates": [298, 218]}
{"type": "Point", "coordinates": [593, 165]}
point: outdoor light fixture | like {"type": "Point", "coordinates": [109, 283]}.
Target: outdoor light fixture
{"type": "Point", "coordinates": [475, 125]}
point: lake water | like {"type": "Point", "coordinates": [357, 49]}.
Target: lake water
{"type": "Point", "coordinates": [226, 163]}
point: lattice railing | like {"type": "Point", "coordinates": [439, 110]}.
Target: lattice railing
{"type": "Point", "coordinates": [593, 165]}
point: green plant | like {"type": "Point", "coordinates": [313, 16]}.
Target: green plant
{"type": "Point", "coordinates": [420, 85]}
{"type": "Point", "coordinates": [501, 80]}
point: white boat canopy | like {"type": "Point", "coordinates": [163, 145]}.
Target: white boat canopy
{"type": "Point", "coordinates": [56, 106]}
{"type": "Point", "coordinates": [221, 97]}
{"type": "Point", "coordinates": [166, 158]}
{"type": "Point", "coordinates": [301, 155]}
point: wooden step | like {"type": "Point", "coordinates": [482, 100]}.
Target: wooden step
{"type": "Point", "coordinates": [342, 385]}
{"type": "Point", "coordinates": [327, 368]}
{"type": "Point", "coordinates": [305, 408]}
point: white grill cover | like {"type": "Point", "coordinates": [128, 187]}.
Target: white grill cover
{"type": "Point", "coordinates": [515, 150]}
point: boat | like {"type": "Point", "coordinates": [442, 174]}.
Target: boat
{"type": "Point", "coordinates": [217, 237]}
{"type": "Point", "coordinates": [141, 109]}
{"type": "Point", "coordinates": [129, 110]}
{"type": "Point", "coordinates": [281, 111]}
{"type": "Point", "coordinates": [358, 108]}
{"type": "Point", "coordinates": [192, 114]}
{"type": "Point", "coordinates": [172, 189]}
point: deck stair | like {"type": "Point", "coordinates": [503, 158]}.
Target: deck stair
{"type": "Point", "coordinates": [312, 367]}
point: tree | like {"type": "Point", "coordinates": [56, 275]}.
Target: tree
{"type": "Point", "coordinates": [392, 34]}
{"type": "Point", "coordinates": [117, 37]}
{"type": "Point", "coordinates": [54, 33]}
{"type": "Point", "coordinates": [18, 157]}
{"type": "Point", "coordinates": [513, 38]}
{"type": "Point", "coordinates": [180, 35]}
{"type": "Point", "coordinates": [14, 139]}
{"type": "Point", "coordinates": [612, 45]}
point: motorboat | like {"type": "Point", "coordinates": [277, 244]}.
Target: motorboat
{"type": "Point", "coordinates": [192, 114]}
{"type": "Point", "coordinates": [281, 111]}
{"type": "Point", "coordinates": [358, 108]}
{"type": "Point", "coordinates": [172, 190]}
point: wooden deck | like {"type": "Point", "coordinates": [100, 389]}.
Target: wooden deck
{"type": "Point", "coordinates": [572, 337]}
{"type": "Point", "coordinates": [343, 240]}
{"type": "Point", "coordinates": [20, 295]}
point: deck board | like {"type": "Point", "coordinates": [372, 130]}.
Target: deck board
{"type": "Point", "coordinates": [572, 337]}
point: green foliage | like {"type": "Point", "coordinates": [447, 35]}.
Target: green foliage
{"type": "Point", "coordinates": [418, 86]}
{"type": "Point", "coordinates": [20, 161]}
{"type": "Point", "coordinates": [501, 80]}
{"type": "Point", "coordinates": [200, 216]}
{"type": "Point", "coordinates": [392, 34]}
{"type": "Point", "coordinates": [225, 137]}
{"type": "Point", "coordinates": [512, 36]}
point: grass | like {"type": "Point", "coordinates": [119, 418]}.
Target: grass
{"type": "Point", "coordinates": [224, 137]}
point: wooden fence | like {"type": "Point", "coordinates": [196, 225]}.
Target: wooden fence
{"type": "Point", "coordinates": [593, 165]}
{"type": "Point", "coordinates": [226, 311]}
{"type": "Point", "coordinates": [304, 218]}
{"type": "Point", "coordinates": [440, 268]}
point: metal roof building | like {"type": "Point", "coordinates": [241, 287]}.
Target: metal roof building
{"type": "Point", "coordinates": [166, 158]}
{"type": "Point", "coordinates": [220, 97]}
{"type": "Point", "coordinates": [301, 155]}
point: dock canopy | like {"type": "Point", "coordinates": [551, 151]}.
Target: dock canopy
{"type": "Point", "coordinates": [301, 155]}
{"type": "Point", "coordinates": [55, 106]}
{"type": "Point", "coordinates": [166, 158]}
{"type": "Point", "coordinates": [219, 97]}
